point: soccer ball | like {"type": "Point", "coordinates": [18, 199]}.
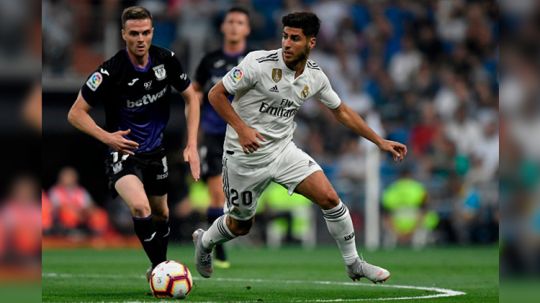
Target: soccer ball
{"type": "Point", "coordinates": [171, 279]}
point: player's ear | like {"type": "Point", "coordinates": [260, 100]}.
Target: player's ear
{"type": "Point", "coordinates": [124, 34]}
{"type": "Point", "coordinates": [312, 41]}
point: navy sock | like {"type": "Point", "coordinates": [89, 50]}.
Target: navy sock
{"type": "Point", "coordinates": [163, 232]}
{"type": "Point", "coordinates": [145, 230]}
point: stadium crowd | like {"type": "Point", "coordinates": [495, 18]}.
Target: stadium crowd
{"type": "Point", "coordinates": [422, 72]}
{"type": "Point", "coordinates": [520, 122]}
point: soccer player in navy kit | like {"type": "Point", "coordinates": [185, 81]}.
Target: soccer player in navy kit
{"type": "Point", "coordinates": [134, 86]}
{"type": "Point", "coordinates": [212, 68]}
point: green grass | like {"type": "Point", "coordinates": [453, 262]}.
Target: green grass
{"type": "Point", "coordinates": [20, 292]}
{"type": "Point", "coordinates": [286, 275]}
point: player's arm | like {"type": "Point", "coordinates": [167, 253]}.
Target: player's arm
{"type": "Point", "coordinates": [199, 91]}
{"type": "Point", "coordinates": [352, 120]}
{"type": "Point", "coordinates": [248, 137]}
{"type": "Point", "coordinates": [193, 112]}
{"type": "Point", "coordinates": [79, 117]}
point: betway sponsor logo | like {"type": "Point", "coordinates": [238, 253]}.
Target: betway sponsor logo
{"type": "Point", "coordinates": [278, 111]}
{"type": "Point", "coordinates": [146, 99]}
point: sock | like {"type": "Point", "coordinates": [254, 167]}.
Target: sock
{"type": "Point", "coordinates": [145, 230]}
{"type": "Point", "coordinates": [218, 233]}
{"type": "Point", "coordinates": [212, 214]}
{"type": "Point", "coordinates": [163, 230]}
{"type": "Point", "coordinates": [339, 223]}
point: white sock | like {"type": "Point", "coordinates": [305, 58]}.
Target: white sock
{"type": "Point", "coordinates": [217, 233]}
{"type": "Point", "coordinates": [339, 223]}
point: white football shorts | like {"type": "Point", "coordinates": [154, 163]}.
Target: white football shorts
{"type": "Point", "coordinates": [244, 184]}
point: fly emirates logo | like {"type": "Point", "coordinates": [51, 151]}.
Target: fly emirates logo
{"type": "Point", "coordinates": [279, 111]}
{"type": "Point", "coordinates": [146, 99]}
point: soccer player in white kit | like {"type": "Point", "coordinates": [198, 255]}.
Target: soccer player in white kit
{"type": "Point", "coordinates": [269, 87]}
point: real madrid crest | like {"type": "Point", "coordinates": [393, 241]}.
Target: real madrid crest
{"type": "Point", "coordinates": [276, 74]}
{"type": "Point", "coordinates": [305, 92]}
{"type": "Point", "coordinates": [160, 72]}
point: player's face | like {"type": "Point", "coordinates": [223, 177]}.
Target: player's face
{"type": "Point", "coordinates": [295, 45]}
{"type": "Point", "coordinates": [138, 36]}
{"type": "Point", "coordinates": [235, 27]}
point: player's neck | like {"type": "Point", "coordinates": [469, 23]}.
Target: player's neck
{"type": "Point", "coordinates": [139, 62]}
{"type": "Point", "coordinates": [233, 48]}
{"type": "Point", "coordinates": [297, 66]}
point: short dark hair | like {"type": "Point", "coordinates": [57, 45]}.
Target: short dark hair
{"type": "Point", "coordinates": [135, 13]}
{"type": "Point", "coordinates": [307, 21]}
{"type": "Point", "coordinates": [238, 9]}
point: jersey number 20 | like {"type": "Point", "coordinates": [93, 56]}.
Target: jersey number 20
{"type": "Point", "coordinates": [247, 197]}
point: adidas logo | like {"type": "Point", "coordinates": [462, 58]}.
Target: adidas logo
{"type": "Point", "coordinates": [274, 89]}
{"type": "Point", "coordinates": [311, 163]}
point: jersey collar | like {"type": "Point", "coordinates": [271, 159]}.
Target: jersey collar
{"type": "Point", "coordinates": [286, 68]}
{"type": "Point", "coordinates": [141, 69]}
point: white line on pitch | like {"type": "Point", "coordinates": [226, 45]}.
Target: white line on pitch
{"type": "Point", "coordinates": [440, 292]}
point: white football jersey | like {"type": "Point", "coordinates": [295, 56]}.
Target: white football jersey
{"type": "Point", "coordinates": [267, 97]}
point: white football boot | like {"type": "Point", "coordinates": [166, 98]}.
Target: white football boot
{"type": "Point", "coordinates": [361, 268]}
{"type": "Point", "coordinates": [203, 257]}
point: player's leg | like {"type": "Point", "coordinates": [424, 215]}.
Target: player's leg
{"type": "Point", "coordinates": [212, 151]}
{"type": "Point", "coordinates": [155, 176]}
{"type": "Point", "coordinates": [131, 190]}
{"type": "Point", "coordinates": [217, 199]}
{"type": "Point", "coordinates": [242, 187]}
{"type": "Point", "coordinates": [160, 216]}
{"type": "Point", "coordinates": [300, 173]}
{"type": "Point", "coordinates": [318, 189]}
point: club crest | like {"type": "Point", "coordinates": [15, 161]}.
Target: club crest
{"type": "Point", "coordinates": [160, 72]}
{"type": "Point", "coordinates": [305, 92]}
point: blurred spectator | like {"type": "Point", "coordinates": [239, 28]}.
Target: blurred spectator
{"type": "Point", "coordinates": [46, 214]}
{"type": "Point", "coordinates": [12, 16]}
{"type": "Point", "coordinates": [57, 35]}
{"type": "Point", "coordinates": [284, 218]}
{"type": "Point", "coordinates": [20, 217]}
{"type": "Point", "coordinates": [32, 109]}
{"type": "Point", "coordinates": [463, 131]}
{"type": "Point", "coordinates": [405, 64]}
{"type": "Point", "coordinates": [486, 150]}
{"type": "Point", "coordinates": [73, 208]}
{"type": "Point", "coordinates": [408, 219]}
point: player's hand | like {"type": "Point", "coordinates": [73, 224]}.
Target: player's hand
{"type": "Point", "coordinates": [398, 150]}
{"type": "Point", "coordinates": [191, 155]}
{"type": "Point", "coordinates": [250, 139]}
{"type": "Point", "coordinates": [119, 143]}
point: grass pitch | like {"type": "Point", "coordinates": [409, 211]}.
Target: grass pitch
{"type": "Point", "coordinates": [289, 274]}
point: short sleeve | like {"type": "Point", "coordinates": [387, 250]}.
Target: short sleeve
{"type": "Point", "coordinates": [242, 76]}
{"type": "Point", "coordinates": [178, 77]}
{"type": "Point", "coordinates": [327, 95]}
{"type": "Point", "coordinates": [97, 85]}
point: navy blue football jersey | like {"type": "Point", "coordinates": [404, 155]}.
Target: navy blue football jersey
{"type": "Point", "coordinates": [212, 68]}
{"type": "Point", "coordinates": [137, 98]}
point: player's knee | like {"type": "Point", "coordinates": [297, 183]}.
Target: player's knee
{"type": "Point", "coordinates": [240, 228]}
{"type": "Point", "coordinates": [161, 215]}
{"type": "Point", "coordinates": [140, 211]}
{"type": "Point", "coordinates": [329, 199]}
